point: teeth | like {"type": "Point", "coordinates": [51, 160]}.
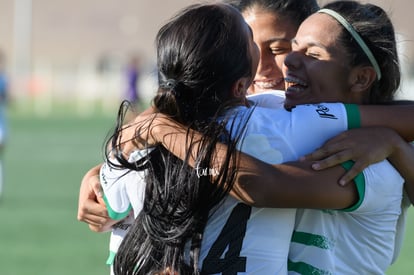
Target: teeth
{"type": "Point", "coordinates": [267, 84]}
{"type": "Point", "coordinates": [295, 81]}
{"type": "Point", "coordinates": [264, 85]}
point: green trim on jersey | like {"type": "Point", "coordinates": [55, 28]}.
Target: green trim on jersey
{"type": "Point", "coordinates": [309, 239]}
{"type": "Point", "coordinates": [360, 185]}
{"type": "Point", "coordinates": [306, 269]}
{"type": "Point", "coordinates": [312, 240]}
{"type": "Point", "coordinates": [111, 258]}
{"type": "Point", "coordinates": [354, 121]}
{"type": "Point", "coordinates": [353, 116]}
{"type": "Point", "coordinates": [115, 215]}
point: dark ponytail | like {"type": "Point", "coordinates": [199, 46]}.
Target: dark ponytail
{"type": "Point", "coordinates": [201, 53]}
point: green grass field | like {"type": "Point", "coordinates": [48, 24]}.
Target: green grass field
{"type": "Point", "coordinates": [45, 161]}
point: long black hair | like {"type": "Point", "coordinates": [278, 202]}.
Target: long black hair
{"type": "Point", "coordinates": [376, 29]}
{"type": "Point", "coordinates": [294, 11]}
{"type": "Point", "coordinates": [201, 53]}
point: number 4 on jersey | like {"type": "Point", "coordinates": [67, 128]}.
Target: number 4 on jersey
{"type": "Point", "coordinates": [231, 237]}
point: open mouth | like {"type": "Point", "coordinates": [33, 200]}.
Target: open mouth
{"type": "Point", "coordinates": [295, 84]}
{"type": "Point", "coordinates": [268, 85]}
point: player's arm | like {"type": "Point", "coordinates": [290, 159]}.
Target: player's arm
{"type": "Point", "coordinates": [260, 184]}
{"type": "Point", "coordinates": [397, 117]}
{"type": "Point", "coordinates": [365, 146]}
{"type": "Point", "coordinates": [370, 145]}
{"type": "Point", "coordinates": [256, 183]}
{"type": "Point", "coordinates": [403, 160]}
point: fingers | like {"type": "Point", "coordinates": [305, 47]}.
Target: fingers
{"type": "Point", "coordinates": [97, 187]}
{"type": "Point", "coordinates": [340, 158]}
{"type": "Point", "coordinates": [99, 228]}
{"type": "Point", "coordinates": [333, 159]}
{"type": "Point", "coordinates": [330, 148]}
{"type": "Point", "coordinates": [102, 226]}
{"type": "Point", "coordinates": [95, 215]}
{"type": "Point", "coordinates": [328, 156]}
{"type": "Point", "coordinates": [89, 210]}
{"type": "Point", "coordinates": [349, 176]}
{"type": "Point", "coordinates": [363, 146]}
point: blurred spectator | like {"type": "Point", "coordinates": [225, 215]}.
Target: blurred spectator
{"type": "Point", "coordinates": [3, 102]}
{"type": "Point", "coordinates": [132, 77]}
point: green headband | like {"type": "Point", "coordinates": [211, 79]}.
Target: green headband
{"type": "Point", "coordinates": [357, 37]}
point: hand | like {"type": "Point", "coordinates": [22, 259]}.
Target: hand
{"type": "Point", "coordinates": [138, 133]}
{"type": "Point", "coordinates": [91, 208]}
{"type": "Point", "coordinates": [364, 146]}
{"type": "Point", "coordinates": [146, 130]}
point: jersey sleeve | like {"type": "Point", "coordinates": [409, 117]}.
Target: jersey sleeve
{"type": "Point", "coordinates": [113, 182]}
{"type": "Point", "coordinates": [319, 122]}
{"type": "Point", "coordinates": [380, 188]}
{"type": "Point", "coordinates": [278, 135]}
{"type": "Point", "coordinates": [359, 182]}
{"type": "Point", "coordinates": [312, 125]}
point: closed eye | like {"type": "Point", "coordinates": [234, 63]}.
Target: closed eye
{"type": "Point", "coordinates": [313, 54]}
{"type": "Point", "coordinates": [278, 51]}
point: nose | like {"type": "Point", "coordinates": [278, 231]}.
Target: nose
{"type": "Point", "coordinates": [292, 60]}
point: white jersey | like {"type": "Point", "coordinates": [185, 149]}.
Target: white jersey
{"type": "Point", "coordinates": [359, 240]}
{"type": "Point", "coordinates": [240, 239]}
{"type": "Point", "coordinates": [123, 191]}
{"type": "Point", "coordinates": [118, 233]}
{"type": "Point", "coordinates": [364, 239]}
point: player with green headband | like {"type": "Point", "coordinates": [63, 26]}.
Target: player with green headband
{"type": "Point", "coordinates": [350, 49]}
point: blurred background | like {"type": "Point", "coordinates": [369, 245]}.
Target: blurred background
{"type": "Point", "coordinates": [69, 64]}
{"type": "Point", "coordinates": [59, 50]}
{"type": "Point", "coordinates": [77, 51]}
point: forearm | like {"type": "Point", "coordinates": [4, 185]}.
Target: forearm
{"type": "Point", "coordinates": [397, 117]}
{"type": "Point", "coordinates": [259, 184]}
{"type": "Point", "coordinates": [178, 139]}
{"type": "Point", "coordinates": [403, 161]}
{"type": "Point", "coordinates": [290, 185]}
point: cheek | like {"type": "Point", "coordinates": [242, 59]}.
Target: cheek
{"type": "Point", "coordinates": [321, 72]}
{"type": "Point", "coordinates": [280, 60]}
{"type": "Point", "coordinates": [329, 84]}
{"type": "Point", "coordinates": [333, 76]}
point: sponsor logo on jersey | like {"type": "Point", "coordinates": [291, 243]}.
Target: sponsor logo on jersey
{"type": "Point", "coordinates": [323, 112]}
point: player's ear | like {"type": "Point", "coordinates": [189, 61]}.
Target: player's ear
{"type": "Point", "coordinates": [362, 78]}
{"type": "Point", "coordinates": [239, 88]}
